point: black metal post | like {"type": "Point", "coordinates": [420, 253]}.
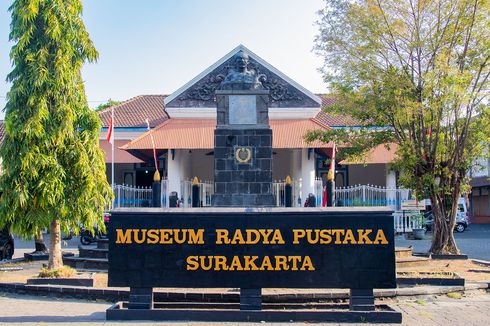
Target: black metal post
{"type": "Point", "coordinates": [288, 193]}
{"type": "Point", "coordinates": [196, 201]}
{"type": "Point", "coordinates": [330, 193]}
{"type": "Point", "coordinates": [156, 194]}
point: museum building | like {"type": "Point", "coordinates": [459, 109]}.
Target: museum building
{"type": "Point", "coordinates": [182, 125]}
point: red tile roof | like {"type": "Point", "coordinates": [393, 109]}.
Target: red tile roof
{"type": "Point", "coordinates": [199, 133]}
{"type": "Point", "coordinates": [134, 112]}
{"type": "Point", "coordinates": [331, 119]}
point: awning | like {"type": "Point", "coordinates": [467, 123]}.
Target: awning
{"type": "Point", "coordinates": [199, 134]}
{"type": "Point", "coordinates": [120, 156]}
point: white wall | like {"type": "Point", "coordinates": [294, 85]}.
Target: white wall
{"type": "Point", "coordinates": [307, 173]}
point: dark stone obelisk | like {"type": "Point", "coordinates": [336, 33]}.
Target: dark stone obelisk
{"type": "Point", "coordinates": [242, 140]}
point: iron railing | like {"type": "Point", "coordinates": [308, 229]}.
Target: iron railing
{"type": "Point", "coordinates": [128, 196]}
{"type": "Point", "coordinates": [368, 195]}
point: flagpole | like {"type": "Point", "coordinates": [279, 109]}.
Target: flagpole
{"type": "Point", "coordinates": [112, 149]}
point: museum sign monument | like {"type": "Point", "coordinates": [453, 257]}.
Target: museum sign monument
{"type": "Point", "coordinates": [243, 241]}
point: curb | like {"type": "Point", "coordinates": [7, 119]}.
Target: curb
{"type": "Point", "coordinates": [110, 295]}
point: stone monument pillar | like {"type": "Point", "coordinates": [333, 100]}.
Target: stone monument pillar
{"type": "Point", "coordinates": [242, 140]}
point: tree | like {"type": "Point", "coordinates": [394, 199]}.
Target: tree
{"type": "Point", "coordinates": [106, 105]}
{"type": "Point", "coordinates": [414, 73]}
{"type": "Point", "coordinates": [54, 171]}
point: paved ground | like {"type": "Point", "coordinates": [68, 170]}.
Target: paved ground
{"type": "Point", "coordinates": [475, 242]}
{"type": "Point", "coordinates": [23, 246]}
{"type": "Point", "coordinates": [472, 309]}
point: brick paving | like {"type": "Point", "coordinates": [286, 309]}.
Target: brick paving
{"type": "Point", "coordinates": [471, 309]}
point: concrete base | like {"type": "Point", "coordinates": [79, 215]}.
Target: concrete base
{"type": "Point", "coordinates": [270, 313]}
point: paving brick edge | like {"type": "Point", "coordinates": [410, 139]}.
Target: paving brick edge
{"type": "Point", "coordinates": [110, 295]}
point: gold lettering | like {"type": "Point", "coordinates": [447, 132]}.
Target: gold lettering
{"type": "Point", "coordinates": [277, 238]}
{"type": "Point", "coordinates": [380, 238]}
{"type": "Point", "coordinates": [203, 260]}
{"type": "Point", "coordinates": [295, 260]}
{"type": "Point", "coordinates": [325, 237]}
{"type": "Point", "coordinates": [297, 234]}
{"type": "Point", "coordinates": [220, 263]}
{"type": "Point", "coordinates": [250, 263]}
{"type": "Point", "coordinates": [182, 239]}
{"type": "Point", "coordinates": [195, 237]}
{"type": "Point", "coordinates": [152, 236]}
{"type": "Point", "coordinates": [281, 263]}
{"type": "Point", "coordinates": [307, 264]}
{"type": "Point", "coordinates": [309, 237]}
{"type": "Point", "coordinates": [337, 233]}
{"type": "Point", "coordinates": [238, 237]}
{"type": "Point", "coordinates": [265, 234]}
{"type": "Point", "coordinates": [349, 236]}
{"type": "Point", "coordinates": [137, 239]}
{"type": "Point", "coordinates": [363, 236]}
{"type": "Point", "coordinates": [236, 264]}
{"type": "Point", "coordinates": [251, 234]}
{"type": "Point", "coordinates": [165, 236]}
{"type": "Point", "coordinates": [222, 236]}
{"type": "Point", "coordinates": [123, 237]}
{"type": "Point", "coordinates": [192, 263]}
{"type": "Point", "coordinates": [266, 264]}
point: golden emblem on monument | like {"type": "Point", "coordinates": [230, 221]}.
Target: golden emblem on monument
{"type": "Point", "coordinates": [243, 154]}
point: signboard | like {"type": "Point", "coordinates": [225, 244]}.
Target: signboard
{"type": "Point", "coordinates": [243, 109]}
{"type": "Point", "coordinates": [274, 249]}
{"type": "Point", "coordinates": [413, 205]}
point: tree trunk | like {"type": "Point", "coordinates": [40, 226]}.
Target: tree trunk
{"type": "Point", "coordinates": [39, 243]}
{"type": "Point", "coordinates": [443, 227]}
{"type": "Point", "coordinates": [55, 257]}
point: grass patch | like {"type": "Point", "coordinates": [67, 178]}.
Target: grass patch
{"type": "Point", "coordinates": [62, 272]}
{"type": "Point", "coordinates": [421, 302]}
{"type": "Point", "coordinates": [454, 295]}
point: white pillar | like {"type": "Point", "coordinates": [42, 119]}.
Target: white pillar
{"type": "Point", "coordinates": [307, 174]}
{"type": "Point", "coordinates": [390, 187]}
{"type": "Point", "coordinates": [174, 173]}
{"type": "Point", "coordinates": [390, 178]}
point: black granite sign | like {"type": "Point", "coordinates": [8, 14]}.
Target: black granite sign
{"type": "Point", "coordinates": [240, 249]}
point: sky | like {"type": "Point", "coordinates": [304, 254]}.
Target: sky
{"type": "Point", "coordinates": [156, 46]}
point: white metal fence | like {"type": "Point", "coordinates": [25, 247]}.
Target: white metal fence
{"type": "Point", "coordinates": [407, 222]}
{"type": "Point", "coordinates": [279, 192]}
{"type": "Point", "coordinates": [368, 195]}
{"type": "Point", "coordinates": [128, 196]}
{"type": "Point", "coordinates": [164, 193]}
{"type": "Point", "coordinates": [206, 190]}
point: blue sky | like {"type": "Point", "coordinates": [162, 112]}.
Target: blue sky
{"type": "Point", "coordinates": [156, 46]}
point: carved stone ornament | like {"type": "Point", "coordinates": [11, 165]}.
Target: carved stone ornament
{"type": "Point", "coordinates": [202, 93]}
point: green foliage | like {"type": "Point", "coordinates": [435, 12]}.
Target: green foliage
{"type": "Point", "coordinates": [414, 74]}
{"type": "Point", "coordinates": [62, 272]}
{"type": "Point", "coordinates": [53, 167]}
{"type": "Point", "coordinates": [106, 105]}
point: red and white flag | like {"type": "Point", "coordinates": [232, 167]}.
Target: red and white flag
{"type": "Point", "coordinates": [110, 132]}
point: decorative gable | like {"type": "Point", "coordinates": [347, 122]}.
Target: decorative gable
{"type": "Point", "coordinates": [284, 92]}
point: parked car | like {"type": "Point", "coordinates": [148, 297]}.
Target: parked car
{"type": "Point", "coordinates": [462, 217]}
{"type": "Point", "coordinates": [6, 244]}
